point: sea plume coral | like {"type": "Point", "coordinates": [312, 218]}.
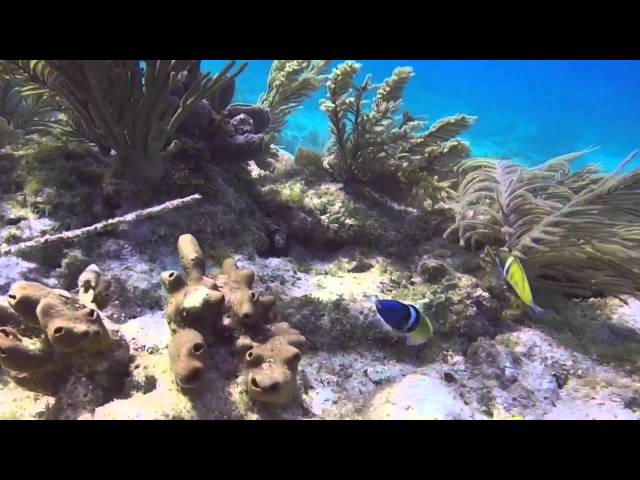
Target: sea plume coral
{"type": "Point", "coordinates": [374, 147]}
{"type": "Point", "coordinates": [577, 233]}
{"type": "Point", "coordinates": [129, 106]}
{"type": "Point", "coordinates": [289, 84]}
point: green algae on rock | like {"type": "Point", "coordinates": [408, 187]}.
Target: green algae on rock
{"type": "Point", "coordinates": [323, 215]}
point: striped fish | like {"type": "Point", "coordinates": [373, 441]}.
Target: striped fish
{"type": "Point", "coordinates": [513, 272]}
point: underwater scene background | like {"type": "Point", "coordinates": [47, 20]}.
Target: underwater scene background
{"type": "Point", "coordinates": [528, 110]}
{"type": "Point", "coordinates": [162, 257]}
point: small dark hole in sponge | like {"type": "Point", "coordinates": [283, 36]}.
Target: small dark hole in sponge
{"type": "Point", "coordinates": [254, 383]}
{"type": "Point", "coordinates": [58, 331]}
{"type": "Point", "coordinates": [198, 348]}
{"type": "Point", "coordinates": [11, 297]}
{"type": "Point", "coordinates": [5, 332]}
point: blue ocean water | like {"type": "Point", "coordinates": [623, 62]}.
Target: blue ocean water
{"type": "Point", "coordinates": [528, 110]}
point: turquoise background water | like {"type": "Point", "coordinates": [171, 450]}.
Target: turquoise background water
{"type": "Point", "coordinates": [528, 110]}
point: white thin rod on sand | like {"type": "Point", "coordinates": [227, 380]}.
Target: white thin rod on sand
{"type": "Point", "coordinates": [100, 227]}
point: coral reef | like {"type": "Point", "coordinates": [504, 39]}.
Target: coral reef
{"type": "Point", "coordinates": [73, 337]}
{"type": "Point", "coordinates": [392, 157]}
{"type": "Point", "coordinates": [275, 319]}
{"type": "Point", "coordinates": [576, 233]}
{"type": "Point", "coordinates": [322, 214]}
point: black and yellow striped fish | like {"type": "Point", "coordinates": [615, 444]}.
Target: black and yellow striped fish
{"type": "Point", "coordinates": [513, 272]}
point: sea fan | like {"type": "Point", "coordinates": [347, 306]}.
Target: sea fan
{"type": "Point", "coordinates": [576, 233]}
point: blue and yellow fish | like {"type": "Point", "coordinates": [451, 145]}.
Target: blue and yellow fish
{"type": "Point", "coordinates": [513, 272]}
{"type": "Point", "coordinates": [405, 319]}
